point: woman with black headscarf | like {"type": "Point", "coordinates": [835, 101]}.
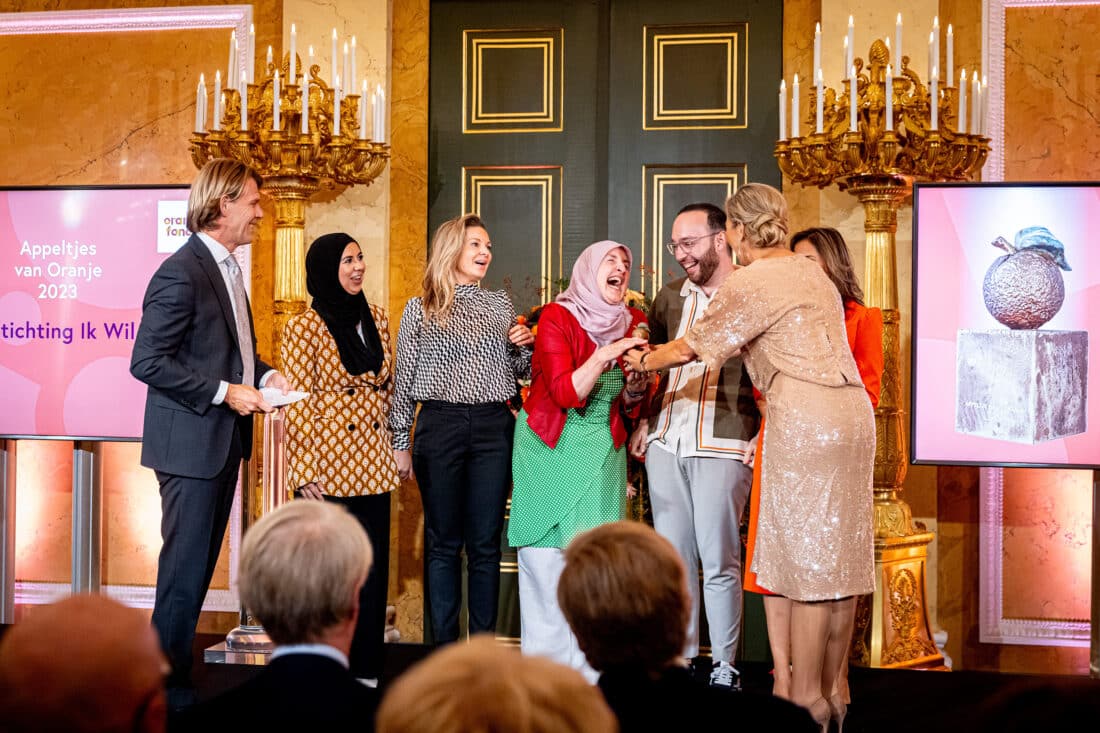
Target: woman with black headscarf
{"type": "Point", "coordinates": [338, 440]}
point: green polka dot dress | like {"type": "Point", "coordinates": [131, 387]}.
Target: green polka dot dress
{"type": "Point", "coordinates": [560, 492]}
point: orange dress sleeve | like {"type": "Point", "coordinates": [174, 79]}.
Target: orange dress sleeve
{"type": "Point", "coordinates": [864, 327]}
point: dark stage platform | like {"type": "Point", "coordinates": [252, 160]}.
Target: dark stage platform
{"type": "Point", "coordinates": [883, 700]}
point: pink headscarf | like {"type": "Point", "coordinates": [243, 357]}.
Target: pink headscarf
{"type": "Point", "coordinates": [603, 322]}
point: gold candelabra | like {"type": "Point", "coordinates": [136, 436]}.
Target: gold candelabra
{"type": "Point", "coordinates": [296, 159]}
{"type": "Point", "coordinates": [875, 146]}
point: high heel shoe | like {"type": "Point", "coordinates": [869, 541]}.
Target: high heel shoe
{"type": "Point", "coordinates": [837, 710]}
{"type": "Point", "coordinates": [821, 712]}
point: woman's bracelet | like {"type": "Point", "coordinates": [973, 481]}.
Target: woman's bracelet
{"type": "Point", "coordinates": [641, 363]}
{"type": "Point", "coordinates": [634, 395]}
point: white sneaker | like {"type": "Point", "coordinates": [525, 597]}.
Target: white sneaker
{"type": "Point", "coordinates": [725, 676]}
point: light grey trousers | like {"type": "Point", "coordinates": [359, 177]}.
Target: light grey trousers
{"type": "Point", "coordinates": [697, 506]}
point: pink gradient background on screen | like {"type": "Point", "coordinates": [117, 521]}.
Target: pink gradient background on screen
{"type": "Point", "coordinates": [955, 227]}
{"type": "Point", "coordinates": [82, 389]}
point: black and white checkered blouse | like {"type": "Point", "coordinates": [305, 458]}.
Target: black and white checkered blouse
{"type": "Point", "coordinates": [469, 361]}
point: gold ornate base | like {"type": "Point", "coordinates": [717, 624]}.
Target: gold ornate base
{"type": "Point", "coordinates": [892, 628]}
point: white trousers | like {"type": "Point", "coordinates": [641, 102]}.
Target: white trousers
{"type": "Point", "coordinates": [544, 631]}
{"type": "Point", "coordinates": [697, 505]}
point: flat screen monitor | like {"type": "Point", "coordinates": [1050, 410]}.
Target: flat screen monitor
{"type": "Point", "coordinates": [1006, 309]}
{"type": "Point", "coordinates": [74, 265]}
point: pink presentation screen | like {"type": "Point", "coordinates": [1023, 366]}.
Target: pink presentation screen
{"type": "Point", "coordinates": [75, 264]}
{"type": "Point", "coordinates": [984, 393]}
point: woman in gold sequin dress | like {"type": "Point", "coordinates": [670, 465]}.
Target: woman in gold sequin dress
{"type": "Point", "coordinates": [338, 442]}
{"type": "Point", "coordinates": [814, 540]}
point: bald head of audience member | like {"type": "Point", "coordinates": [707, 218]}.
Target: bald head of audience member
{"type": "Point", "coordinates": [86, 664]}
{"type": "Point", "coordinates": [302, 566]}
{"type": "Point", "coordinates": [484, 686]}
{"type": "Point", "coordinates": [623, 591]}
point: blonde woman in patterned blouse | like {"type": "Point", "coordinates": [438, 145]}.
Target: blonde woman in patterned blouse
{"type": "Point", "coordinates": [814, 541]}
{"type": "Point", "coordinates": [459, 354]}
{"type": "Point", "coordinates": [338, 440]}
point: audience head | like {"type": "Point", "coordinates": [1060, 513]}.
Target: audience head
{"type": "Point", "coordinates": [460, 254]}
{"type": "Point", "coordinates": [827, 247]}
{"type": "Point", "coordinates": [301, 569]}
{"type": "Point", "coordinates": [482, 686]}
{"type": "Point", "coordinates": [757, 219]}
{"type": "Point", "coordinates": [699, 243]}
{"type": "Point", "coordinates": [86, 664]}
{"type": "Point", "coordinates": [623, 592]}
{"type": "Point", "coordinates": [220, 183]}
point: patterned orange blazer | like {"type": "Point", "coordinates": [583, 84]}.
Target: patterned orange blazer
{"type": "Point", "coordinates": [338, 435]}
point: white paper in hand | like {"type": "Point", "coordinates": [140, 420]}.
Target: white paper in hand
{"type": "Point", "coordinates": [276, 398]}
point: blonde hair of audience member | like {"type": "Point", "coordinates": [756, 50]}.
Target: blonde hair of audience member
{"type": "Point", "coordinates": [483, 686]}
{"type": "Point", "coordinates": [762, 211]}
{"type": "Point", "coordinates": [439, 276]}
{"type": "Point", "coordinates": [623, 591]}
{"type": "Point", "coordinates": [219, 178]}
{"type": "Point", "coordinates": [104, 673]}
{"type": "Point", "coordinates": [301, 569]}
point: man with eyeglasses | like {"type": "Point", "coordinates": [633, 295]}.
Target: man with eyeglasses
{"type": "Point", "coordinates": [694, 436]}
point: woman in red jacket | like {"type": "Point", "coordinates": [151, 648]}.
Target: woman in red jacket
{"type": "Point", "coordinates": [569, 460]}
{"type": "Point", "coordinates": [826, 247]}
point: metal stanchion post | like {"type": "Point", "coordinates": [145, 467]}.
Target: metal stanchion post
{"type": "Point", "coordinates": [7, 531]}
{"type": "Point", "coordinates": [87, 518]}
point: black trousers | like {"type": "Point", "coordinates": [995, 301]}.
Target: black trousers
{"type": "Point", "coordinates": [462, 456]}
{"type": "Point", "coordinates": [194, 515]}
{"type": "Point", "coordinates": [367, 650]}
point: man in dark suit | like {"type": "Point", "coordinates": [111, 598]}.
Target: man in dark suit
{"type": "Point", "coordinates": [196, 350]}
{"type": "Point", "coordinates": [302, 566]}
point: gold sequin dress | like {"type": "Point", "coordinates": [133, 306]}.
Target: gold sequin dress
{"type": "Point", "coordinates": [815, 536]}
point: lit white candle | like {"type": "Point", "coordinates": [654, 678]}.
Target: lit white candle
{"type": "Point", "coordinates": [199, 99]}
{"type": "Point", "coordinates": [934, 99]}
{"type": "Point", "coordinates": [381, 114]}
{"type": "Point", "coordinates": [851, 42]}
{"type": "Point", "coordinates": [244, 105]}
{"type": "Point", "coordinates": [346, 76]}
{"type": "Point", "coordinates": [950, 54]}
{"type": "Point", "coordinates": [782, 109]}
{"type": "Point", "coordinates": [250, 62]}
{"type": "Point", "coordinates": [270, 57]}
{"type": "Point", "coordinates": [230, 77]}
{"type": "Point", "coordinates": [976, 105]}
{"type": "Point", "coordinates": [305, 98]}
{"type": "Point", "coordinates": [291, 77]}
{"type": "Point", "coordinates": [817, 48]}
{"type": "Point", "coordinates": [846, 64]}
{"type": "Point", "coordinates": [275, 107]}
{"type": "Point", "coordinates": [984, 97]}
{"type": "Point", "coordinates": [931, 44]}
{"type": "Point", "coordinates": [374, 116]}
{"type": "Point", "coordinates": [796, 130]}
{"type": "Point", "coordinates": [352, 70]}
{"type": "Point", "coordinates": [336, 107]}
{"type": "Point", "coordinates": [217, 99]}
{"type": "Point", "coordinates": [819, 88]}
{"type": "Point", "coordinates": [936, 43]}
{"type": "Point", "coordinates": [333, 74]}
{"type": "Point", "coordinates": [962, 102]}
{"type": "Point", "coordinates": [853, 90]}
{"type": "Point", "coordinates": [363, 112]}
{"type": "Point", "coordinates": [889, 53]}
{"type": "Point", "coordinates": [889, 97]}
{"type": "Point", "coordinates": [309, 69]}
{"type": "Point", "coordinates": [897, 43]}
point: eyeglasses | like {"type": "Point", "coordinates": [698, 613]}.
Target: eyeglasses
{"type": "Point", "coordinates": [687, 244]}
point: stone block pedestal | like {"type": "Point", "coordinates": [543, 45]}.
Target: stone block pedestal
{"type": "Point", "coordinates": [1024, 386]}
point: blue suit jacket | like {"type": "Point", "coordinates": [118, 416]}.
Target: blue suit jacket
{"type": "Point", "coordinates": [186, 344]}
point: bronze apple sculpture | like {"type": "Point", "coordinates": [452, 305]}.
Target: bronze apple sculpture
{"type": "Point", "coordinates": [1024, 288]}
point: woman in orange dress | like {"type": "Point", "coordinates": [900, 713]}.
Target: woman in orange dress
{"type": "Point", "coordinates": [827, 247]}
